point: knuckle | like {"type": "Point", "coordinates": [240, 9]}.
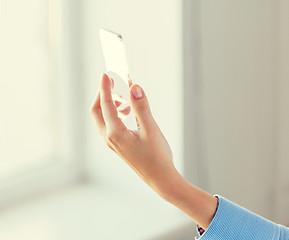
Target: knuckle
{"type": "Point", "coordinates": [141, 106]}
{"type": "Point", "coordinates": [113, 137]}
{"type": "Point", "coordinates": [106, 100]}
{"type": "Point", "coordinates": [109, 144]}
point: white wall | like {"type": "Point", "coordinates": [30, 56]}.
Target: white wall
{"type": "Point", "coordinates": [244, 104]}
{"type": "Point", "coordinates": [282, 188]}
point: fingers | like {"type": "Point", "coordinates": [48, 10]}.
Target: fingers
{"type": "Point", "coordinates": [141, 109]}
{"type": "Point", "coordinates": [106, 115]}
{"type": "Point", "coordinates": [115, 129]}
{"type": "Point", "coordinates": [104, 111]}
{"type": "Point", "coordinates": [106, 103]}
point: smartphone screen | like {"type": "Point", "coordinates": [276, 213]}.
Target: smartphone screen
{"type": "Point", "coordinates": [117, 68]}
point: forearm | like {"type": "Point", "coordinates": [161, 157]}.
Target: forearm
{"type": "Point", "coordinates": [197, 204]}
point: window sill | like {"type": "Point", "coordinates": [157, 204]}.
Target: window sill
{"type": "Point", "coordinates": [89, 212]}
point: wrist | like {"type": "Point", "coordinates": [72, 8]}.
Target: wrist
{"type": "Point", "coordinates": [196, 203]}
{"type": "Point", "coordinates": [170, 187]}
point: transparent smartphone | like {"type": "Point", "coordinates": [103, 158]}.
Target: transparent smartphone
{"type": "Point", "coordinates": [117, 69]}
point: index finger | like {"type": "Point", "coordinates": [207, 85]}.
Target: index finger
{"type": "Point", "coordinates": [109, 111]}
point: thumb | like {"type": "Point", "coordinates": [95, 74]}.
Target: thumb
{"type": "Point", "coordinates": [141, 108]}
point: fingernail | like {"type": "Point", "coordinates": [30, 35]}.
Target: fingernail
{"type": "Point", "coordinates": [137, 92]}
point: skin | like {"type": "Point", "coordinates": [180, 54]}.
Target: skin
{"type": "Point", "coordinates": [148, 153]}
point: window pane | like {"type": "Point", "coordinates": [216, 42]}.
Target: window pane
{"type": "Point", "coordinates": [27, 123]}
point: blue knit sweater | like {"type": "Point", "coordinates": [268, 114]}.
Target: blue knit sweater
{"type": "Point", "coordinates": [237, 223]}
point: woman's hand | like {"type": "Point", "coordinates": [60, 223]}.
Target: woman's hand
{"type": "Point", "coordinates": [146, 151]}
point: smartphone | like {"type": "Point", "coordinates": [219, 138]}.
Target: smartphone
{"type": "Point", "coordinates": [117, 68]}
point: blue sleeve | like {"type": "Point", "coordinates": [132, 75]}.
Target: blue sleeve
{"type": "Point", "coordinates": [237, 223]}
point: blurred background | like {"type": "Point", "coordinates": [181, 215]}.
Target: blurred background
{"type": "Point", "coordinates": [216, 74]}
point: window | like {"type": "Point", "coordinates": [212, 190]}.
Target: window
{"type": "Point", "coordinates": [32, 94]}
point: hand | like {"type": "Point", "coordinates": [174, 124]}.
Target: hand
{"type": "Point", "coordinates": [146, 150]}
